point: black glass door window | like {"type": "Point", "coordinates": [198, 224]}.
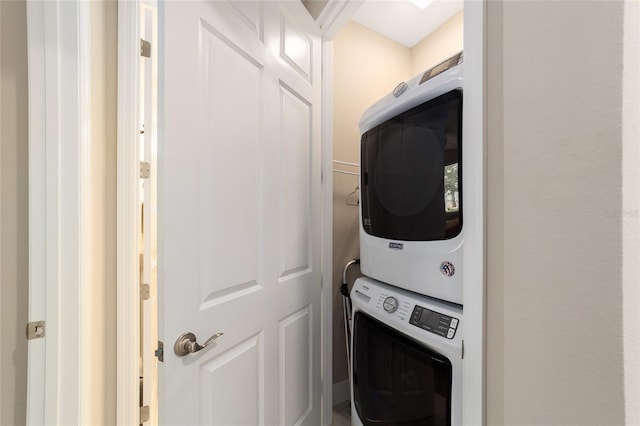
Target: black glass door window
{"type": "Point", "coordinates": [412, 173]}
{"type": "Point", "coordinates": [397, 381]}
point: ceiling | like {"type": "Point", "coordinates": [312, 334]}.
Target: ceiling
{"type": "Point", "coordinates": [403, 21]}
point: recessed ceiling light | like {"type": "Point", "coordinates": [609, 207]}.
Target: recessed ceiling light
{"type": "Point", "coordinates": [421, 4]}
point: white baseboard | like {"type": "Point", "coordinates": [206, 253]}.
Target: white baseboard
{"type": "Point", "coordinates": [341, 392]}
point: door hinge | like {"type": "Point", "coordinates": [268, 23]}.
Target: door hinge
{"type": "Point", "coordinates": [144, 414]}
{"type": "Point", "coordinates": [145, 292]}
{"type": "Point", "coordinates": [35, 330]}
{"type": "Point", "coordinates": [159, 353]}
{"type": "Point", "coordinates": [145, 170]}
{"type": "Point", "coordinates": [145, 48]}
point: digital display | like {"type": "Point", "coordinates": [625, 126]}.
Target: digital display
{"type": "Point", "coordinates": [430, 319]}
{"type": "Point", "coordinates": [434, 322]}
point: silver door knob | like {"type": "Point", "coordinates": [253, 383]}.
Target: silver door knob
{"type": "Point", "coordinates": [186, 344]}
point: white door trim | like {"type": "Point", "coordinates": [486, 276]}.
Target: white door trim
{"type": "Point", "coordinates": [128, 225]}
{"type": "Point", "coordinates": [326, 248]}
{"type": "Point", "coordinates": [335, 15]}
{"type": "Point", "coordinates": [332, 18]}
{"type": "Point", "coordinates": [59, 211]}
{"type": "Point", "coordinates": [474, 176]}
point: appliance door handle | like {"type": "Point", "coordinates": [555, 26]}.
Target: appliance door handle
{"type": "Point", "coordinates": [186, 344]}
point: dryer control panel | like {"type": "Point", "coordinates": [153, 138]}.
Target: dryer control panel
{"type": "Point", "coordinates": [434, 322]}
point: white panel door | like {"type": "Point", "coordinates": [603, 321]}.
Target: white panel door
{"type": "Point", "coordinates": [239, 212]}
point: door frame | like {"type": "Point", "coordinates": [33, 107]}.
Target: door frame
{"type": "Point", "coordinates": [332, 19]}
{"type": "Point", "coordinates": [128, 225]}
{"type": "Point", "coordinates": [60, 292]}
{"type": "Point", "coordinates": [128, 214]}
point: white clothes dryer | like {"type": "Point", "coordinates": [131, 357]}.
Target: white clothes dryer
{"type": "Point", "coordinates": [411, 208]}
{"type": "Point", "coordinates": [406, 366]}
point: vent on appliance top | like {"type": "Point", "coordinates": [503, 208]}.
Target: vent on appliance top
{"type": "Point", "coordinates": [456, 59]}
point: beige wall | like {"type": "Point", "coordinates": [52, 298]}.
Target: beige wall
{"type": "Point", "coordinates": [104, 26]}
{"type": "Point", "coordinates": [555, 217]}
{"type": "Point", "coordinates": [14, 219]}
{"type": "Point", "coordinates": [367, 66]}
{"type": "Point", "coordinates": [495, 219]}
{"type": "Point", "coordinates": [441, 44]}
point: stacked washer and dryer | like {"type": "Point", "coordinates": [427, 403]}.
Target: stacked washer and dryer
{"type": "Point", "coordinates": [406, 322]}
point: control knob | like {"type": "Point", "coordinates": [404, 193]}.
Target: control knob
{"type": "Point", "coordinates": [390, 304]}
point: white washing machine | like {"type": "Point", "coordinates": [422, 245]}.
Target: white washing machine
{"type": "Point", "coordinates": [406, 363]}
{"type": "Point", "coordinates": [411, 208]}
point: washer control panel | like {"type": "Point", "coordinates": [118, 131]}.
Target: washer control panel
{"type": "Point", "coordinates": [434, 322]}
{"type": "Point", "coordinates": [405, 310]}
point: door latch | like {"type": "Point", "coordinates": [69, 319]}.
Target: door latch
{"type": "Point", "coordinates": [159, 353]}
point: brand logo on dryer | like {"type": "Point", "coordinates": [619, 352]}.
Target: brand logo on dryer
{"type": "Point", "coordinates": [396, 246]}
{"type": "Point", "coordinates": [447, 269]}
